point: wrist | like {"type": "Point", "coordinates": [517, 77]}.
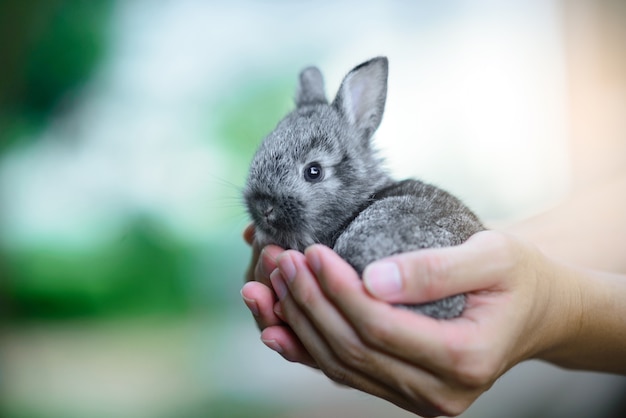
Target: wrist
{"type": "Point", "coordinates": [588, 321]}
{"type": "Point", "coordinates": [563, 316]}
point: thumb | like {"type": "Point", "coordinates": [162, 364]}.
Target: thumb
{"type": "Point", "coordinates": [432, 274]}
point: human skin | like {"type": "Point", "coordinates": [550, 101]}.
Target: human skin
{"type": "Point", "coordinates": [312, 308]}
{"type": "Point", "coordinates": [542, 290]}
{"type": "Point", "coordinates": [521, 305]}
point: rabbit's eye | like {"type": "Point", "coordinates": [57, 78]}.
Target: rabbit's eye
{"type": "Point", "coordinates": [313, 172]}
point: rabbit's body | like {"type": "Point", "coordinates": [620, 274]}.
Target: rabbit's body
{"type": "Point", "coordinates": [407, 216]}
{"type": "Point", "coordinates": [316, 179]}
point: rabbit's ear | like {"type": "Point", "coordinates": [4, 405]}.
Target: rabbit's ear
{"type": "Point", "coordinates": [311, 88]}
{"type": "Point", "coordinates": [362, 94]}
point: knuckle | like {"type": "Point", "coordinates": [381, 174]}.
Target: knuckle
{"type": "Point", "coordinates": [352, 353]}
{"type": "Point", "coordinates": [471, 364]}
{"type": "Point", "coordinates": [474, 374]}
{"type": "Point", "coordinates": [433, 274]}
{"type": "Point", "coordinates": [335, 373]}
{"type": "Point", "coordinates": [374, 330]}
{"type": "Point", "coordinates": [505, 249]}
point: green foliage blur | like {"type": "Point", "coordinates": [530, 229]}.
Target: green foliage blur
{"type": "Point", "coordinates": [96, 296]}
{"type": "Point", "coordinates": [49, 52]}
{"type": "Point", "coordinates": [139, 273]}
{"type": "Point", "coordinates": [48, 49]}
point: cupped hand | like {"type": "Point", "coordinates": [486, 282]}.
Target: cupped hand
{"type": "Point", "coordinates": [347, 328]}
{"type": "Point", "coordinates": [259, 297]}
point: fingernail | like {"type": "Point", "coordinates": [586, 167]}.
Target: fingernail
{"type": "Point", "coordinates": [382, 279]}
{"type": "Point", "coordinates": [313, 259]}
{"type": "Point", "coordinates": [278, 310]}
{"type": "Point", "coordinates": [273, 345]}
{"type": "Point", "coordinates": [278, 283]}
{"type": "Point", "coordinates": [286, 267]}
{"type": "Point", "coordinates": [251, 304]}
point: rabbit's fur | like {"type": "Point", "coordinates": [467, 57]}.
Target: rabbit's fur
{"type": "Point", "coordinates": [317, 179]}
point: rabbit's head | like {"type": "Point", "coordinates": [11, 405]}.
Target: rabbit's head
{"type": "Point", "coordinates": [317, 169]}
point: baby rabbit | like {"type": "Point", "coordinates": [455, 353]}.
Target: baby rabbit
{"type": "Point", "coordinates": [317, 179]}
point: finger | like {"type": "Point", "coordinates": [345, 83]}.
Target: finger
{"type": "Point", "coordinates": [260, 300]}
{"type": "Point", "coordinates": [326, 359]}
{"type": "Point", "coordinates": [415, 338]}
{"type": "Point", "coordinates": [431, 274]}
{"type": "Point", "coordinates": [341, 338]}
{"type": "Point", "coordinates": [266, 264]}
{"type": "Point", "coordinates": [286, 343]}
{"type": "Point", "coordinates": [248, 234]}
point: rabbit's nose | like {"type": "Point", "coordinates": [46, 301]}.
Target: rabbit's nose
{"type": "Point", "coordinates": [268, 211]}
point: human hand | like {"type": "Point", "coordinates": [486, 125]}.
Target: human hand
{"type": "Point", "coordinates": [259, 297]}
{"type": "Point", "coordinates": [515, 310]}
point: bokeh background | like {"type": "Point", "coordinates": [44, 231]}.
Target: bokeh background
{"type": "Point", "coordinates": [126, 128]}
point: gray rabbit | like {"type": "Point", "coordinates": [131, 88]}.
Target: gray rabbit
{"type": "Point", "coordinates": [317, 179]}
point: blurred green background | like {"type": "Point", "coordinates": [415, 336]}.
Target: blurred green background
{"type": "Point", "coordinates": [129, 261]}
{"type": "Point", "coordinates": [91, 266]}
{"type": "Point", "coordinates": [126, 128]}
